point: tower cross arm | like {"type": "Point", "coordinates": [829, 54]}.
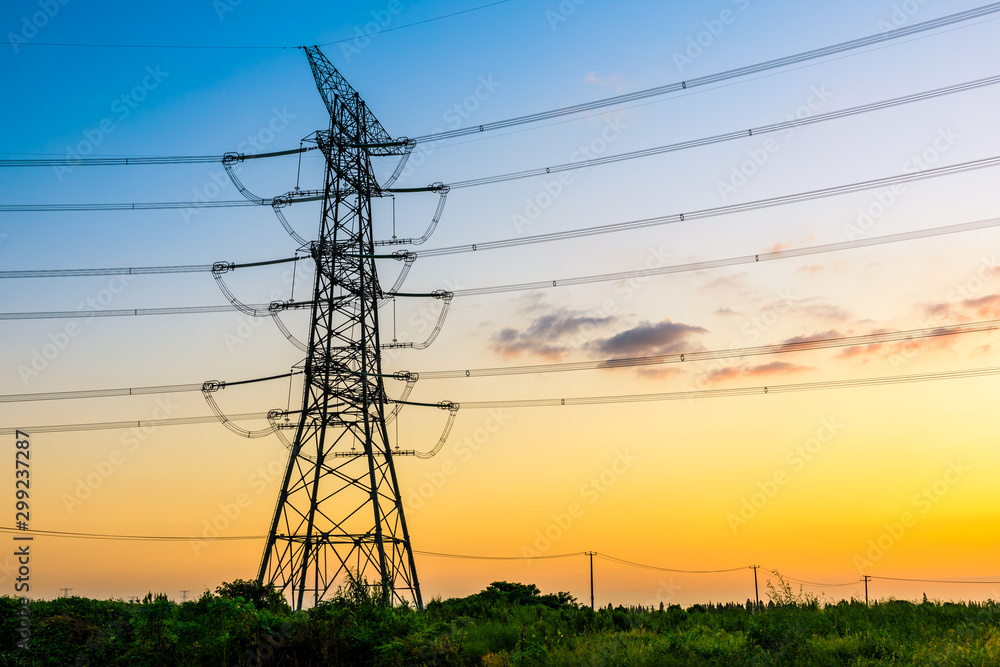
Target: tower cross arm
{"type": "Point", "coordinates": [339, 95]}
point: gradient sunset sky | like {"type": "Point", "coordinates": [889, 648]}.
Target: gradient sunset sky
{"type": "Point", "coordinates": [826, 485]}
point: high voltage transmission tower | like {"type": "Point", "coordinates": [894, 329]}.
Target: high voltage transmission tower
{"type": "Point", "coordinates": [339, 512]}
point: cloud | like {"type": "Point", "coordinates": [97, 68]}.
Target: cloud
{"type": "Point", "coordinates": [546, 335]}
{"type": "Point", "coordinates": [778, 247]}
{"type": "Point", "coordinates": [612, 80]}
{"type": "Point", "coordinates": [858, 350]}
{"type": "Point", "coordinates": [726, 310]}
{"type": "Point", "coordinates": [761, 370]}
{"type": "Point", "coordinates": [814, 269]}
{"type": "Point", "coordinates": [827, 312]}
{"type": "Point", "coordinates": [985, 306]}
{"type": "Point", "coordinates": [664, 337]}
{"type": "Point", "coordinates": [657, 373]}
{"type": "Point", "coordinates": [823, 335]}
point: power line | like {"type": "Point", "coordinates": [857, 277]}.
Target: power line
{"type": "Point", "coordinates": [603, 364]}
{"type": "Point", "coordinates": [285, 199]}
{"type": "Point", "coordinates": [135, 160]}
{"type": "Point", "coordinates": [560, 282]}
{"type": "Point", "coordinates": [256, 308]}
{"type": "Point", "coordinates": [256, 47]}
{"type": "Point", "coordinates": [436, 554]}
{"type": "Point", "coordinates": [135, 391]}
{"type": "Point", "coordinates": [731, 261]}
{"type": "Point", "coordinates": [936, 581]}
{"type": "Point", "coordinates": [728, 136]}
{"type": "Point", "coordinates": [718, 210]}
{"type": "Point", "coordinates": [141, 423]}
{"type": "Point", "coordinates": [141, 206]}
{"type": "Point", "coordinates": [552, 169]}
{"type": "Point", "coordinates": [810, 195]}
{"type": "Point", "coordinates": [559, 402]}
{"type": "Point", "coordinates": [814, 583]}
{"type": "Point", "coordinates": [707, 355]}
{"type": "Point", "coordinates": [467, 557]}
{"type": "Point", "coordinates": [143, 270]}
{"type": "Point", "coordinates": [621, 561]}
{"type": "Point", "coordinates": [732, 392]}
{"type": "Point", "coordinates": [415, 23]}
{"type": "Point", "coordinates": [721, 76]}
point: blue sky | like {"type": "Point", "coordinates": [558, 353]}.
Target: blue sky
{"type": "Point", "coordinates": [503, 61]}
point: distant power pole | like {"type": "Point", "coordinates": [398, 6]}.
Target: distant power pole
{"type": "Point", "coordinates": [65, 592]}
{"type": "Point", "coordinates": [591, 554]}
{"type": "Point", "coordinates": [184, 595]}
{"type": "Point", "coordinates": [756, 591]}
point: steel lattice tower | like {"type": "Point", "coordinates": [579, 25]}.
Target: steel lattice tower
{"type": "Point", "coordinates": [339, 512]}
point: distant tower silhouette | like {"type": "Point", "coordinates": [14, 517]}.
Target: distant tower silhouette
{"type": "Point", "coordinates": [339, 510]}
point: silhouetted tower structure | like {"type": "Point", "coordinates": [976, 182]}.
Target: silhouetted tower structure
{"type": "Point", "coordinates": [339, 512]}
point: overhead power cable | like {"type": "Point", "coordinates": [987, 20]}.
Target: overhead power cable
{"type": "Point", "coordinates": [728, 136]}
{"type": "Point", "coordinates": [726, 75]}
{"type": "Point", "coordinates": [111, 161]}
{"type": "Point", "coordinates": [556, 402]}
{"type": "Point", "coordinates": [731, 392]}
{"type": "Point", "coordinates": [282, 200]}
{"type": "Point", "coordinates": [810, 195]}
{"type": "Point", "coordinates": [133, 423]}
{"type": "Point", "coordinates": [603, 364]}
{"type": "Point", "coordinates": [143, 270]}
{"type": "Point", "coordinates": [800, 345]}
{"type": "Point", "coordinates": [622, 561]}
{"type": "Point", "coordinates": [225, 47]}
{"type": "Point", "coordinates": [855, 582]}
{"type": "Point", "coordinates": [409, 257]}
{"type": "Point", "coordinates": [436, 554]}
{"type": "Point", "coordinates": [258, 309]}
{"type": "Point", "coordinates": [126, 538]}
{"type": "Point", "coordinates": [996, 580]}
{"type": "Point", "coordinates": [134, 391]}
{"type": "Point", "coordinates": [732, 261]}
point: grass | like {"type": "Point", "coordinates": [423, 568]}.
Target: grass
{"type": "Point", "coordinates": [507, 624]}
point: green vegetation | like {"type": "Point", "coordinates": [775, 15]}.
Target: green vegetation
{"type": "Point", "coordinates": [506, 624]}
